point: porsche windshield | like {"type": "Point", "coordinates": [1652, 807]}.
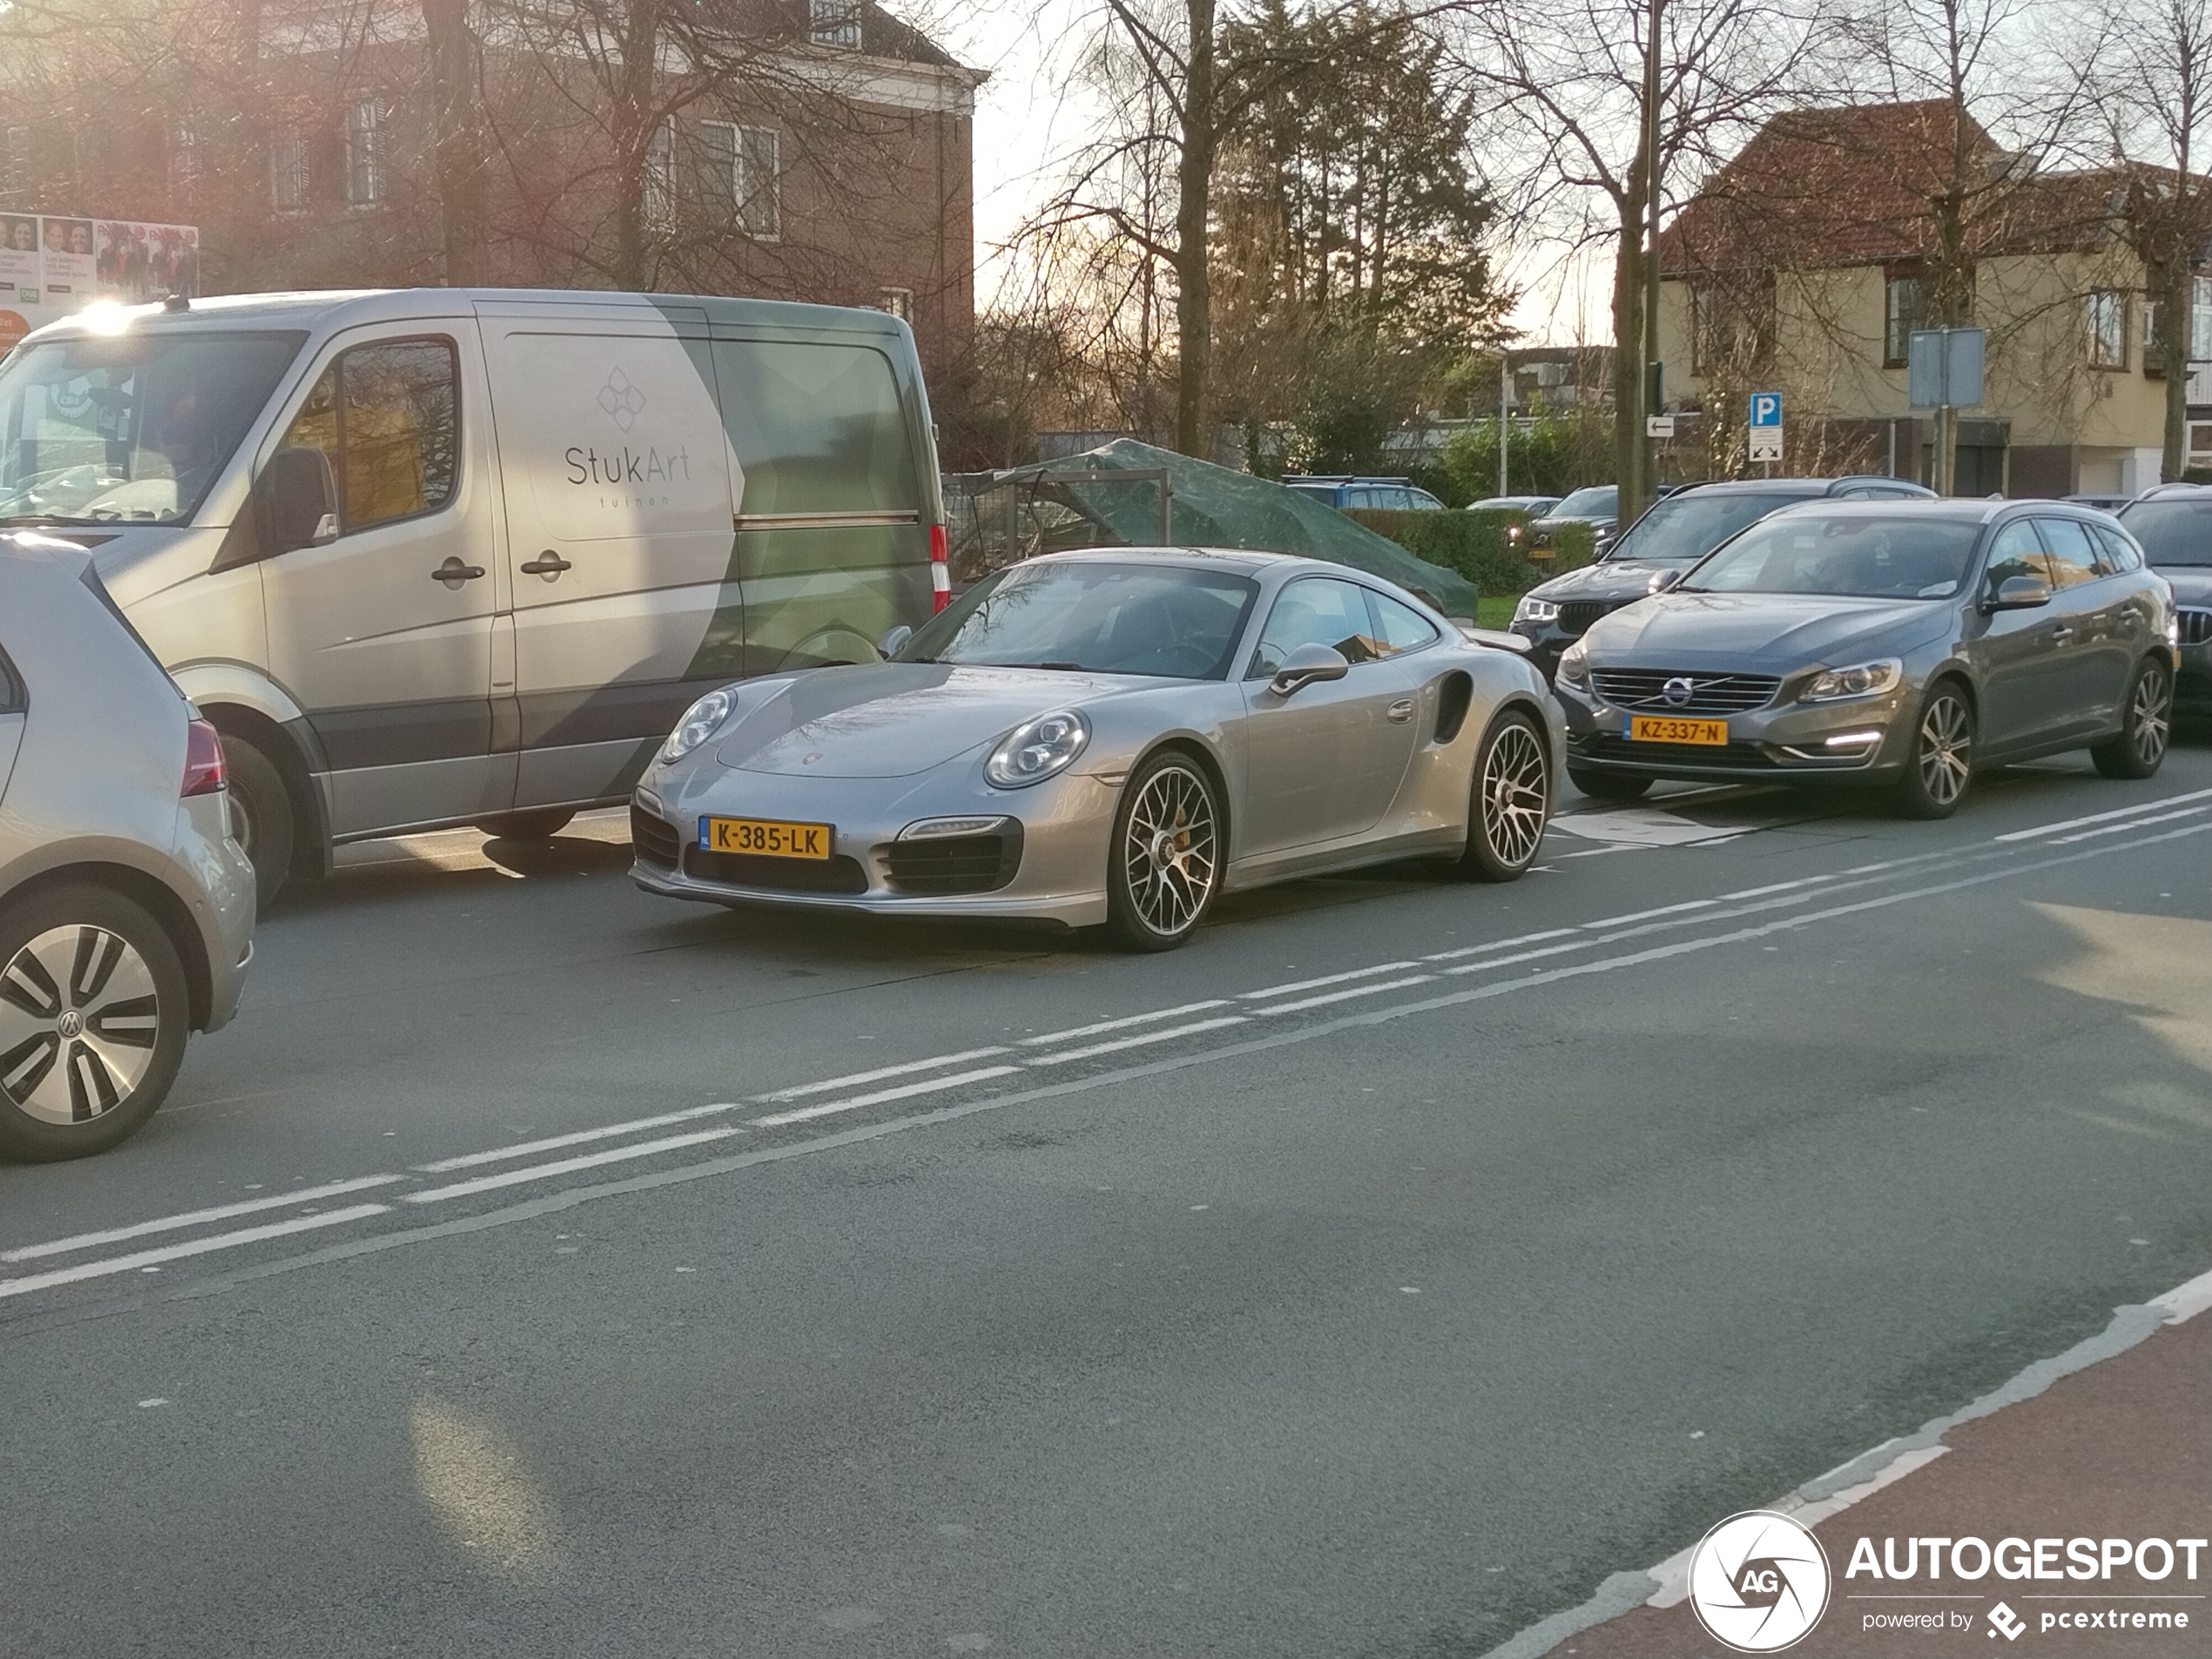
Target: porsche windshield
{"type": "Point", "coordinates": [1166, 620]}
{"type": "Point", "coordinates": [130, 428]}
{"type": "Point", "coordinates": [1848, 556]}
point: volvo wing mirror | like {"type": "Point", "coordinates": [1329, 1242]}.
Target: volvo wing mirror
{"type": "Point", "coordinates": [2021, 593]}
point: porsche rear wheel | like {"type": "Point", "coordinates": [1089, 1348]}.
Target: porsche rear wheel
{"type": "Point", "coordinates": [1163, 862]}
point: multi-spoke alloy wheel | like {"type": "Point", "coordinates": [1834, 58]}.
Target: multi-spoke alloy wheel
{"type": "Point", "coordinates": [1943, 755]}
{"type": "Point", "coordinates": [2145, 726]}
{"type": "Point", "coordinates": [1166, 854]}
{"type": "Point", "coordinates": [1512, 804]}
{"type": "Point", "coordinates": [92, 1012]}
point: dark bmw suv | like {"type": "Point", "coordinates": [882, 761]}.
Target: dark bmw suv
{"type": "Point", "coordinates": [2174, 524]}
{"type": "Point", "coordinates": [1670, 536]}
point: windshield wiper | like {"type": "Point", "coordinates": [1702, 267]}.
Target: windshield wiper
{"type": "Point", "coordinates": [48, 518]}
{"type": "Point", "coordinates": [1064, 668]}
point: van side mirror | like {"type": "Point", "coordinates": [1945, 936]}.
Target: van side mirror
{"type": "Point", "coordinates": [895, 640]}
{"type": "Point", "coordinates": [2020, 593]}
{"type": "Point", "coordinates": [1308, 665]}
{"type": "Point", "coordinates": [298, 499]}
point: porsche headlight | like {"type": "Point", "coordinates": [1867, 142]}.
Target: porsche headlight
{"type": "Point", "coordinates": [1574, 666]}
{"type": "Point", "coordinates": [1531, 609]}
{"type": "Point", "coordinates": [1037, 750]}
{"type": "Point", "coordinates": [701, 721]}
{"type": "Point", "coordinates": [1861, 679]}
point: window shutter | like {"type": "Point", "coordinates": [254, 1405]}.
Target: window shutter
{"type": "Point", "coordinates": [718, 171]}
{"type": "Point", "coordinates": [759, 185]}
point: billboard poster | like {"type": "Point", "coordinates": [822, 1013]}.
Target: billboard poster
{"type": "Point", "coordinates": [52, 264]}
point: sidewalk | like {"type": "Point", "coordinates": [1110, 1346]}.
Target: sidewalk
{"type": "Point", "coordinates": [2121, 1449]}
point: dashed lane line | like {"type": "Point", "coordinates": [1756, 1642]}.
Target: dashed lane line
{"type": "Point", "coordinates": [195, 1217]}
{"type": "Point", "coordinates": [580, 1137]}
{"type": "Point", "coordinates": [1103, 1026]}
{"type": "Point", "coordinates": [853, 1079]}
{"type": "Point", "coordinates": [567, 1166]}
{"type": "Point", "coordinates": [1300, 1006]}
{"type": "Point", "coordinates": [1327, 978]}
{"type": "Point", "coordinates": [1141, 1039]}
{"type": "Point", "coordinates": [927, 1086]}
{"type": "Point", "coordinates": [2040, 831]}
{"type": "Point", "coordinates": [140, 1260]}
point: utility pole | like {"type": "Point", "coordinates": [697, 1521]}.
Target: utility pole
{"type": "Point", "coordinates": [1648, 470]}
{"type": "Point", "coordinates": [1505, 414]}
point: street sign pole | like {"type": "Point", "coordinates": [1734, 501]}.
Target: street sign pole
{"type": "Point", "coordinates": [1944, 373]}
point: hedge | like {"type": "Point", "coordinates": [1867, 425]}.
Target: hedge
{"type": "Point", "coordinates": [1472, 540]}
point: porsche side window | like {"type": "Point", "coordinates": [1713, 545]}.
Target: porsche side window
{"type": "Point", "coordinates": [1316, 611]}
{"type": "Point", "coordinates": [1398, 627]}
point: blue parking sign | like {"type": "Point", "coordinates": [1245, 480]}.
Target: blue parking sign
{"type": "Point", "coordinates": [1766, 408]}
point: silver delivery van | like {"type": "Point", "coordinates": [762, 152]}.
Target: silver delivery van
{"type": "Point", "coordinates": [443, 557]}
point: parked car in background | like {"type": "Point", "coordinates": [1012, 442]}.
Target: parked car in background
{"type": "Point", "coordinates": [1390, 494]}
{"type": "Point", "coordinates": [2173, 525]}
{"type": "Point", "coordinates": [1670, 537]}
{"type": "Point", "coordinates": [2102, 503]}
{"type": "Point", "coordinates": [1115, 736]}
{"type": "Point", "coordinates": [448, 557]}
{"type": "Point", "coordinates": [1534, 506]}
{"type": "Point", "coordinates": [1904, 644]}
{"type": "Point", "coordinates": [126, 911]}
{"type": "Point", "coordinates": [1596, 505]}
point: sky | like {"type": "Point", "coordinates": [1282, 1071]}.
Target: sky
{"type": "Point", "coordinates": [1024, 133]}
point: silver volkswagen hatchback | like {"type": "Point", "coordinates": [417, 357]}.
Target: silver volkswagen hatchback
{"type": "Point", "coordinates": [126, 910]}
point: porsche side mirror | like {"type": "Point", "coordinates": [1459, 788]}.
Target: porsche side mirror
{"type": "Point", "coordinates": [2020, 593]}
{"type": "Point", "coordinates": [1305, 665]}
{"type": "Point", "coordinates": [895, 640]}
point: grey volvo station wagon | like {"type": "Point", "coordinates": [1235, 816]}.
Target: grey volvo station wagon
{"type": "Point", "coordinates": [1891, 642]}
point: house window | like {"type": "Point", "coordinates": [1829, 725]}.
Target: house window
{"type": "Point", "coordinates": [660, 176]}
{"type": "Point", "coordinates": [365, 181]}
{"type": "Point", "coordinates": [2107, 324]}
{"type": "Point", "coordinates": [744, 168]}
{"type": "Point", "coordinates": [836, 22]}
{"type": "Point", "coordinates": [1904, 308]}
{"type": "Point", "coordinates": [2200, 319]}
{"type": "Point", "coordinates": [185, 166]}
{"type": "Point", "coordinates": [900, 302]}
{"type": "Point", "coordinates": [289, 173]}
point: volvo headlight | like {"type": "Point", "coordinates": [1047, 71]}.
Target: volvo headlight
{"type": "Point", "coordinates": [1574, 666]}
{"type": "Point", "coordinates": [1861, 679]}
{"type": "Point", "coordinates": [1038, 749]}
{"type": "Point", "coordinates": [1531, 609]}
{"type": "Point", "coordinates": [701, 721]}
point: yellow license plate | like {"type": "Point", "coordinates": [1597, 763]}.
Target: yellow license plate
{"type": "Point", "coordinates": [765, 838]}
{"type": "Point", "coordinates": [1668, 728]}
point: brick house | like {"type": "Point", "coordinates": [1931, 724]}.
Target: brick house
{"type": "Point", "coordinates": [1805, 264]}
{"type": "Point", "coordinates": [828, 159]}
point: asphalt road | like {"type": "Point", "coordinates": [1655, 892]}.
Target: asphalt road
{"type": "Point", "coordinates": [539, 1268]}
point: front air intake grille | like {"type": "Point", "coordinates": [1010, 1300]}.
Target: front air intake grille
{"type": "Point", "coordinates": [955, 863]}
{"type": "Point", "coordinates": [2194, 627]}
{"type": "Point", "coordinates": [776, 875]}
{"type": "Point", "coordinates": [1576, 615]}
{"type": "Point", "coordinates": [1734, 756]}
{"type": "Point", "coordinates": [654, 839]}
{"type": "Point", "coordinates": [1646, 688]}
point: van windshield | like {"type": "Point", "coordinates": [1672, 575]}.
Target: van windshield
{"type": "Point", "coordinates": [131, 427]}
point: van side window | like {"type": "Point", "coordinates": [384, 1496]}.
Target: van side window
{"type": "Point", "coordinates": [818, 429]}
{"type": "Point", "coordinates": [388, 417]}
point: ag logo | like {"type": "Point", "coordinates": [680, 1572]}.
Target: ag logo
{"type": "Point", "coordinates": [1758, 1581]}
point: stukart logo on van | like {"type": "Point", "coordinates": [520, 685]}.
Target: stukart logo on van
{"type": "Point", "coordinates": [621, 399]}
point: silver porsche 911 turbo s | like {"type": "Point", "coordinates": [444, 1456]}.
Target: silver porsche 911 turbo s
{"type": "Point", "coordinates": [1112, 737]}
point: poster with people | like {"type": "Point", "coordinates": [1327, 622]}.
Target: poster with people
{"type": "Point", "coordinates": [51, 265]}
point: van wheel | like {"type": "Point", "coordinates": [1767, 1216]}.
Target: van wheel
{"type": "Point", "coordinates": [262, 820]}
{"type": "Point", "coordinates": [2141, 747]}
{"type": "Point", "coordinates": [527, 826]}
{"type": "Point", "coordinates": [93, 1014]}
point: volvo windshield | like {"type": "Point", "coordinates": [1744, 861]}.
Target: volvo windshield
{"type": "Point", "coordinates": [129, 428]}
{"type": "Point", "coordinates": [1847, 557]}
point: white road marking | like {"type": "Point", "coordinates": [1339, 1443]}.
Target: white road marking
{"type": "Point", "coordinates": [554, 1143]}
{"type": "Point", "coordinates": [2041, 830]}
{"type": "Point", "coordinates": [1140, 1040]}
{"type": "Point", "coordinates": [566, 1166]}
{"type": "Point", "coordinates": [778, 1119]}
{"type": "Point", "coordinates": [1345, 996]}
{"type": "Point", "coordinates": [193, 1218]}
{"type": "Point", "coordinates": [2132, 823]}
{"type": "Point", "coordinates": [853, 1079]}
{"type": "Point", "coordinates": [1646, 826]}
{"type": "Point", "coordinates": [1328, 979]}
{"type": "Point", "coordinates": [144, 1258]}
{"type": "Point", "coordinates": [1646, 915]}
{"type": "Point", "coordinates": [1499, 944]}
{"type": "Point", "coordinates": [1123, 1022]}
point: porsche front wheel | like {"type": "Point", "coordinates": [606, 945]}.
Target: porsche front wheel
{"type": "Point", "coordinates": [1511, 801]}
{"type": "Point", "coordinates": [1163, 862]}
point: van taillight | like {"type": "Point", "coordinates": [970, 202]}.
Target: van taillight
{"type": "Point", "coordinates": [941, 569]}
{"type": "Point", "coordinates": [204, 770]}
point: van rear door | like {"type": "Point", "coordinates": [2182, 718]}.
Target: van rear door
{"type": "Point", "coordinates": [620, 490]}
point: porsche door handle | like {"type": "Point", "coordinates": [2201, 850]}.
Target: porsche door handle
{"type": "Point", "coordinates": [453, 573]}
{"type": "Point", "coordinates": [1400, 712]}
{"type": "Point", "coordinates": [547, 564]}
